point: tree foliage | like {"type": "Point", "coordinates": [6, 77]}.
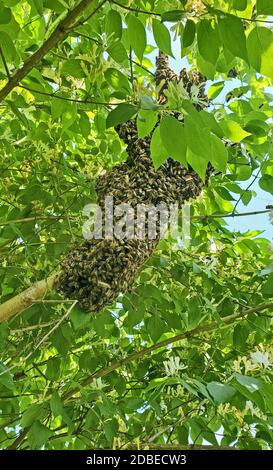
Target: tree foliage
{"type": "Point", "coordinates": [186, 356]}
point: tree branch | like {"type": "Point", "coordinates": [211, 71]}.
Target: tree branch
{"type": "Point", "coordinates": [24, 300]}
{"type": "Point", "coordinates": [29, 219]}
{"type": "Point", "coordinates": [64, 98]}
{"type": "Point", "coordinates": [224, 216]}
{"type": "Point", "coordinates": [198, 216]}
{"type": "Point", "coordinates": [146, 351]}
{"type": "Point", "coordinates": [59, 33]}
{"type": "Point", "coordinates": [136, 10]}
{"type": "Point", "coordinates": [19, 439]}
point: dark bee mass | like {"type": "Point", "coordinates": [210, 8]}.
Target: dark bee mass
{"type": "Point", "coordinates": [97, 271]}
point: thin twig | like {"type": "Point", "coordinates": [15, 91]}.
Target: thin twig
{"type": "Point", "coordinates": [247, 188]}
{"type": "Point", "coordinates": [74, 100]}
{"type": "Point", "coordinates": [53, 329]}
{"type": "Point", "coordinates": [83, 35]}
{"type": "Point", "coordinates": [136, 10]}
{"type": "Point", "coordinates": [38, 326]}
{"type": "Point", "coordinates": [29, 219]}
{"type": "Point", "coordinates": [224, 216]}
{"type": "Point", "coordinates": [131, 69]}
{"type": "Point", "coordinates": [143, 67]}
{"type": "Point", "coordinates": [4, 62]}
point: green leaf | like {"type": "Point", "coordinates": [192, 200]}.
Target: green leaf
{"type": "Point", "coordinates": [208, 41]}
{"type": "Point", "coordinates": [233, 36]}
{"type": "Point", "coordinates": [267, 288]}
{"type": "Point", "coordinates": [69, 115]}
{"type": "Point", "coordinates": [117, 80]}
{"type": "Point", "coordinates": [189, 33]}
{"type": "Point", "coordinates": [156, 327]}
{"type": "Point", "coordinates": [205, 67]}
{"type": "Point", "coordinates": [162, 37]}
{"type": "Point", "coordinates": [53, 368]}
{"type": "Point", "coordinates": [6, 377]}
{"type": "Point", "coordinates": [240, 335]}
{"type": "Point", "coordinates": [267, 394]}
{"type": "Point", "coordinates": [198, 164]}
{"type": "Point", "coordinates": [79, 318]}
{"type": "Point", "coordinates": [32, 413]}
{"type": "Point", "coordinates": [233, 131]}
{"type": "Point", "coordinates": [39, 6]}
{"type": "Point", "coordinates": [122, 113]}
{"type": "Point", "coordinates": [5, 15]}
{"type": "Point", "coordinates": [246, 197]}
{"type": "Point", "coordinates": [260, 50]}
{"type": "Point", "coordinates": [158, 152]}
{"type": "Point", "coordinates": [267, 270]}
{"type": "Point", "coordinates": [210, 123]}
{"type": "Point", "coordinates": [91, 420]}
{"type": "Point", "coordinates": [39, 435]}
{"type": "Point", "coordinates": [12, 28]}
{"type": "Point", "coordinates": [219, 154]}
{"type": "Point", "coordinates": [118, 52]}
{"type": "Point", "coordinates": [221, 393]}
{"type": "Point", "coordinates": [62, 338]}
{"type": "Point", "coordinates": [239, 5]}
{"type": "Point", "coordinates": [250, 383]}
{"type": "Point", "coordinates": [137, 36]}
{"type": "Point", "coordinates": [56, 404]}
{"type": "Point", "coordinates": [113, 24]}
{"type": "Point", "coordinates": [54, 5]}
{"type": "Point", "coordinates": [215, 89]}
{"type": "Point", "coordinates": [173, 138]}
{"type": "Point", "coordinates": [264, 7]}
{"type": "Point", "coordinates": [266, 183]}
{"type": "Point", "coordinates": [58, 106]}
{"type": "Point", "coordinates": [73, 68]}
{"type": "Point", "coordinates": [224, 193]}
{"type": "Point", "coordinates": [87, 361]}
{"type": "Point", "coordinates": [146, 120]}
{"type": "Point", "coordinates": [148, 103]}
{"type": "Point", "coordinates": [85, 125]}
{"type": "Point", "coordinates": [197, 137]}
{"type": "Point", "coordinates": [7, 46]}
{"type": "Point", "coordinates": [111, 430]}
{"type": "Point", "coordinates": [172, 16]}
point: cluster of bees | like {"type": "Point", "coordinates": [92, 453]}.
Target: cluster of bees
{"type": "Point", "coordinates": [97, 271]}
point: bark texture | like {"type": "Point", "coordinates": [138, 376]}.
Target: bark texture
{"type": "Point", "coordinates": [24, 300]}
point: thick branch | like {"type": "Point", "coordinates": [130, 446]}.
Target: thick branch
{"type": "Point", "coordinates": [59, 33]}
{"type": "Point", "coordinates": [146, 351]}
{"type": "Point", "coordinates": [26, 299]}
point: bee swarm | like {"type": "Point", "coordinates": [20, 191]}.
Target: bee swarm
{"type": "Point", "coordinates": [97, 271]}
